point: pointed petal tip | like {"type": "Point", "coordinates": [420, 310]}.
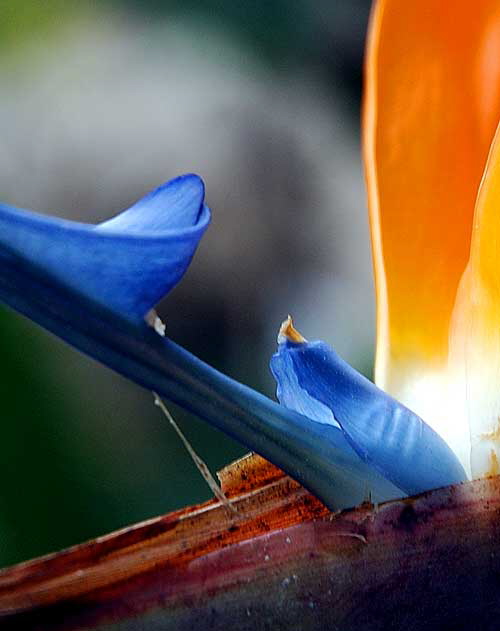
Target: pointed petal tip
{"type": "Point", "coordinates": [184, 182]}
{"type": "Point", "coordinates": [175, 204]}
{"type": "Point", "coordinates": [288, 333]}
{"type": "Point", "coordinates": [194, 179]}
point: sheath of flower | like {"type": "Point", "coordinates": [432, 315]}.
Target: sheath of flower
{"type": "Point", "coordinates": [314, 380]}
{"type": "Point", "coordinates": [93, 287]}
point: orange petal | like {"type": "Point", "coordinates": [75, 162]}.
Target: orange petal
{"type": "Point", "coordinates": [475, 339]}
{"type": "Point", "coordinates": [431, 107]}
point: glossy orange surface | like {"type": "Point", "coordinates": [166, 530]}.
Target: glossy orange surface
{"type": "Point", "coordinates": [432, 103]}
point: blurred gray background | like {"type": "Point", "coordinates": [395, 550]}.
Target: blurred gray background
{"type": "Point", "coordinates": [101, 102]}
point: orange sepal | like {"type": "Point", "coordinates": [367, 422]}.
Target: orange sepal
{"type": "Point", "coordinates": [431, 107]}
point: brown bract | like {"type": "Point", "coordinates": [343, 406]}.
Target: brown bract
{"type": "Point", "coordinates": [283, 562]}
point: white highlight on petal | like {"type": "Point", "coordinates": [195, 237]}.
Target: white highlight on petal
{"type": "Point", "coordinates": [440, 400]}
{"type": "Point", "coordinates": [475, 350]}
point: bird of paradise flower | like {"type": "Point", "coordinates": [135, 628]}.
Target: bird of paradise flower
{"type": "Point", "coordinates": [336, 432]}
{"type": "Point", "coordinates": [432, 105]}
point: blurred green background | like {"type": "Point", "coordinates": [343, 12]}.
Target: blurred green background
{"type": "Point", "coordinates": [101, 102]}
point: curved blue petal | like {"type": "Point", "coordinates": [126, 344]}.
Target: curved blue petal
{"type": "Point", "coordinates": [175, 205]}
{"type": "Point", "coordinates": [312, 453]}
{"type": "Point", "coordinates": [126, 264]}
{"type": "Point", "coordinates": [312, 378]}
{"type": "Point", "coordinates": [355, 480]}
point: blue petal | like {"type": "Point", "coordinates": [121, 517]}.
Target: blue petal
{"type": "Point", "coordinates": [126, 264]}
{"type": "Point", "coordinates": [383, 433]}
{"type": "Point", "coordinates": [175, 205]}
{"type": "Point", "coordinates": [312, 453]}
{"type": "Point", "coordinates": [355, 480]}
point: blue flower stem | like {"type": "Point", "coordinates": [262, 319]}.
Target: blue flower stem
{"type": "Point", "coordinates": [289, 440]}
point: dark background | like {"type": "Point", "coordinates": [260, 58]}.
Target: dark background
{"type": "Point", "coordinates": [101, 102]}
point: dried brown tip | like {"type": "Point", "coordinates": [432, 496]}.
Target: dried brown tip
{"type": "Point", "coordinates": [289, 332]}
